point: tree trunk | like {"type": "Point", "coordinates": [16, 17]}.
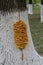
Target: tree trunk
{"type": "Point", "coordinates": [9, 5]}
{"type": "Point", "coordinates": [21, 4]}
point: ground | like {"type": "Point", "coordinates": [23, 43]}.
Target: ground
{"type": "Point", "coordinates": [37, 31]}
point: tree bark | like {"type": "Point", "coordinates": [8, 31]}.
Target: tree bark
{"type": "Point", "coordinates": [9, 5]}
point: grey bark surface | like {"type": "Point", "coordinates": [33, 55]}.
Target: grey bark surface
{"type": "Point", "coordinates": [9, 54]}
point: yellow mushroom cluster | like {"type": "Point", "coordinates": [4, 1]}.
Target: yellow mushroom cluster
{"type": "Point", "coordinates": [20, 34]}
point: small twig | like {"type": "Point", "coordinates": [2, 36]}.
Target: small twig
{"type": "Point", "coordinates": [22, 54]}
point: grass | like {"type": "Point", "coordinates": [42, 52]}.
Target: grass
{"type": "Point", "coordinates": [37, 31]}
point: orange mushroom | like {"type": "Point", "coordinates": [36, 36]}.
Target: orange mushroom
{"type": "Point", "coordinates": [20, 34]}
